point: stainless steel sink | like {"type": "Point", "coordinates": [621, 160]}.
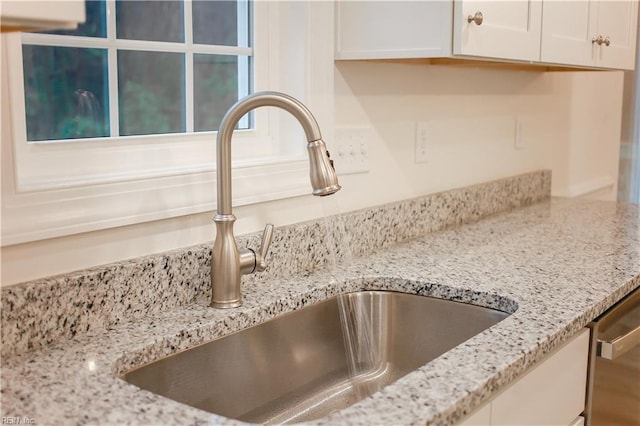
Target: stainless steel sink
{"type": "Point", "coordinates": [311, 362]}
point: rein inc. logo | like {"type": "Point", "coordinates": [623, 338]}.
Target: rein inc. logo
{"type": "Point", "coordinates": [16, 420]}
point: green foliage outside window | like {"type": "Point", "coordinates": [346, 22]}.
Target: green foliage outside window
{"type": "Point", "coordinates": [67, 88]}
{"type": "Point", "coordinates": [65, 92]}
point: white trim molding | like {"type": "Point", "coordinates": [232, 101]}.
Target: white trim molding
{"type": "Point", "coordinates": [47, 214]}
{"type": "Point", "coordinates": [589, 187]}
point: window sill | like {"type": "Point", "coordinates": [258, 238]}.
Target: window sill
{"type": "Point", "coordinates": [36, 216]}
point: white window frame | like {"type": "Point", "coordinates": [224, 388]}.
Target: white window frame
{"type": "Point", "coordinates": [150, 177]}
{"type": "Point", "coordinates": [101, 159]}
{"type": "Point", "coordinates": [112, 45]}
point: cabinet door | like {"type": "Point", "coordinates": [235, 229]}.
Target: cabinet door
{"type": "Point", "coordinates": [509, 29]}
{"type": "Point", "coordinates": [553, 393]}
{"type": "Point", "coordinates": [566, 36]}
{"type": "Point", "coordinates": [481, 417]}
{"type": "Point", "coordinates": [393, 29]}
{"type": "Point", "coordinates": [617, 21]}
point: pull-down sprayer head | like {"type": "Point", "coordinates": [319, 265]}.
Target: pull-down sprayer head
{"type": "Point", "coordinates": [323, 176]}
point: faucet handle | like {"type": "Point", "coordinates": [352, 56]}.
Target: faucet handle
{"type": "Point", "coordinates": [267, 235]}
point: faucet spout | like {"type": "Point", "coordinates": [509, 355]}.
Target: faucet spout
{"type": "Point", "coordinates": [228, 264]}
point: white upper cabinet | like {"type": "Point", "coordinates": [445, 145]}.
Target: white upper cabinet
{"type": "Point", "coordinates": [498, 29]}
{"type": "Point", "coordinates": [550, 393]}
{"type": "Point", "coordinates": [617, 23]}
{"type": "Point", "coordinates": [578, 33]}
{"type": "Point", "coordinates": [393, 29]}
{"type": "Point", "coordinates": [590, 33]}
{"type": "Point", "coordinates": [565, 32]}
{"type": "Point", "coordinates": [26, 15]}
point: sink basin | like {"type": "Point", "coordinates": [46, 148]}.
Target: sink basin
{"type": "Point", "coordinates": [311, 362]}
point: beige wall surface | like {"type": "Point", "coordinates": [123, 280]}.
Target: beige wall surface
{"type": "Point", "coordinates": [566, 121]}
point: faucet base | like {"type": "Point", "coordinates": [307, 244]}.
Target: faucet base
{"type": "Point", "coordinates": [226, 305]}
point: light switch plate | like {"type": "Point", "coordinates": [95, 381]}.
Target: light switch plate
{"type": "Point", "coordinates": [519, 140]}
{"type": "Point", "coordinates": [422, 142]}
{"type": "Point", "coordinates": [351, 152]}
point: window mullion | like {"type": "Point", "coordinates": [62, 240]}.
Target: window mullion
{"type": "Point", "coordinates": [243, 23]}
{"type": "Point", "coordinates": [189, 67]}
{"type": "Point", "coordinates": [112, 52]}
{"type": "Point", "coordinates": [244, 88]}
{"type": "Point", "coordinates": [37, 39]}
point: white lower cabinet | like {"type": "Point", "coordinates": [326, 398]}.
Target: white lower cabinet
{"type": "Point", "coordinates": [479, 417]}
{"type": "Point", "coordinates": [552, 393]}
{"type": "Point", "coordinates": [579, 421]}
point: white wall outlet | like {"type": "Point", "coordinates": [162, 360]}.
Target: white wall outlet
{"type": "Point", "coordinates": [422, 142]}
{"type": "Point", "coordinates": [518, 140]}
{"type": "Point", "coordinates": [351, 150]}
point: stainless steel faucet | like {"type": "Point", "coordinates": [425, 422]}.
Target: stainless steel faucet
{"type": "Point", "coordinates": [228, 264]}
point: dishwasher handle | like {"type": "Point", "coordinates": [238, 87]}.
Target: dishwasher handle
{"type": "Point", "coordinates": [615, 347]}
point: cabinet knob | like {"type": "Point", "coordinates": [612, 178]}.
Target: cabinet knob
{"type": "Point", "coordinates": [607, 41]}
{"type": "Point", "coordinates": [598, 40]}
{"type": "Point", "coordinates": [477, 18]}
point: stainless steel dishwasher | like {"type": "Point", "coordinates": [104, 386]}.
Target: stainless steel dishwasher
{"type": "Point", "coordinates": [613, 393]}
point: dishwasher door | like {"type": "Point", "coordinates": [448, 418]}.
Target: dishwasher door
{"type": "Point", "coordinates": [613, 396]}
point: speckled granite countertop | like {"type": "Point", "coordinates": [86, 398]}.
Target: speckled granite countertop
{"type": "Point", "coordinates": [558, 264]}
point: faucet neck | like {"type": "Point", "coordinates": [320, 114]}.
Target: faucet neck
{"type": "Point", "coordinates": [228, 125]}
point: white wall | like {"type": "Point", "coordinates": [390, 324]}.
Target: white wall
{"type": "Point", "coordinates": [595, 112]}
{"type": "Point", "coordinates": [568, 122]}
{"type": "Point", "coordinates": [471, 114]}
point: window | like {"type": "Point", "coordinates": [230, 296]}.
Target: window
{"type": "Point", "coordinates": [57, 183]}
{"type": "Point", "coordinates": [152, 67]}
